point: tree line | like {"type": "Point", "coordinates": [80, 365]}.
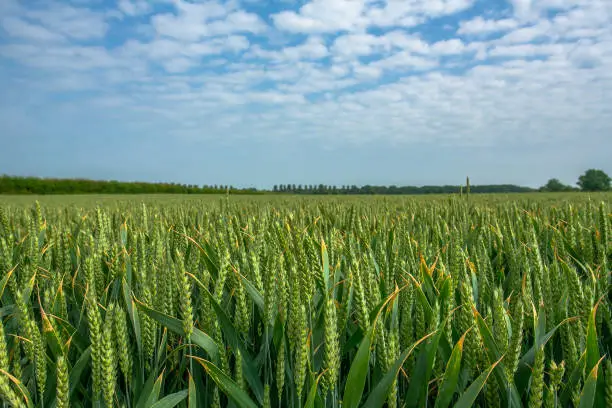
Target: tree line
{"type": "Point", "coordinates": [36, 185]}
{"type": "Point", "coordinates": [591, 180]}
{"type": "Point", "coordinates": [324, 189]}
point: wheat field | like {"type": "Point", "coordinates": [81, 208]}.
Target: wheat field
{"type": "Point", "coordinates": [486, 301]}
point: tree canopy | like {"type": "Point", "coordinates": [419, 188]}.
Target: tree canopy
{"type": "Point", "coordinates": [594, 180]}
{"type": "Point", "coordinates": [554, 185]}
{"type": "Point", "coordinates": [591, 180]}
{"type": "Point", "coordinates": [396, 190]}
{"type": "Point", "coordinates": [34, 185]}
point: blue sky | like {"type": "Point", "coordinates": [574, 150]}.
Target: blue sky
{"type": "Point", "coordinates": [256, 93]}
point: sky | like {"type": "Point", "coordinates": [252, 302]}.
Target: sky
{"type": "Point", "coordinates": [257, 93]}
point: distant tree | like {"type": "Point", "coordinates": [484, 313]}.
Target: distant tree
{"type": "Point", "coordinates": [34, 185]}
{"type": "Point", "coordinates": [594, 180]}
{"type": "Point", "coordinates": [554, 185]}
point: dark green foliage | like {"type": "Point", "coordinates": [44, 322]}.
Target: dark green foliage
{"type": "Point", "coordinates": [594, 180]}
{"type": "Point", "coordinates": [36, 185]}
{"type": "Point", "coordinates": [555, 186]}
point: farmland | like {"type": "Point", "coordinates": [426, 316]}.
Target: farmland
{"type": "Point", "coordinates": [279, 301]}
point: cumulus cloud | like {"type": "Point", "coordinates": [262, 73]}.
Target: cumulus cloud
{"type": "Point", "coordinates": [479, 25]}
{"type": "Point", "coordinates": [134, 7]}
{"type": "Point", "coordinates": [367, 71]}
{"type": "Point", "coordinates": [448, 47]}
{"type": "Point", "coordinates": [529, 33]}
{"type": "Point", "coordinates": [79, 23]}
{"type": "Point", "coordinates": [19, 28]}
{"type": "Point", "coordinates": [359, 45]}
{"type": "Point", "coordinates": [412, 13]}
{"type": "Point", "coordinates": [194, 21]}
{"type": "Point", "coordinates": [339, 70]}
{"type": "Point", "coordinates": [321, 16]}
{"type": "Point", "coordinates": [63, 57]}
{"type": "Point", "coordinates": [523, 9]}
{"type": "Point", "coordinates": [527, 50]}
{"type": "Point", "coordinates": [326, 16]}
{"type": "Point", "coordinates": [311, 49]}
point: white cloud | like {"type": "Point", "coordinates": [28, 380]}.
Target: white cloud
{"type": "Point", "coordinates": [394, 14]}
{"type": "Point", "coordinates": [401, 40]}
{"type": "Point", "coordinates": [275, 97]}
{"type": "Point", "coordinates": [329, 16]}
{"type": "Point", "coordinates": [176, 56]}
{"type": "Point", "coordinates": [179, 64]}
{"type": "Point", "coordinates": [352, 45]}
{"type": "Point", "coordinates": [76, 22]}
{"type": "Point", "coordinates": [320, 16]}
{"type": "Point", "coordinates": [73, 57]}
{"type": "Point", "coordinates": [235, 43]}
{"type": "Point", "coordinates": [188, 29]}
{"type": "Point", "coordinates": [590, 55]}
{"type": "Point", "coordinates": [17, 27]}
{"type": "Point", "coordinates": [134, 7]}
{"type": "Point", "coordinates": [448, 47]}
{"type": "Point", "coordinates": [239, 21]}
{"type": "Point", "coordinates": [523, 9]}
{"type": "Point", "coordinates": [411, 13]}
{"type": "Point", "coordinates": [405, 61]}
{"type": "Point", "coordinates": [312, 49]}
{"type": "Point", "coordinates": [528, 34]}
{"type": "Point", "coordinates": [479, 25]}
{"type": "Point", "coordinates": [359, 45]}
{"type": "Point", "coordinates": [589, 21]}
{"type": "Point", "coordinates": [367, 71]}
{"type": "Point", "coordinates": [195, 21]}
{"type": "Point", "coordinates": [526, 50]}
{"type": "Point", "coordinates": [343, 70]}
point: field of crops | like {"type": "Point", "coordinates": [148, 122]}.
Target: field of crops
{"type": "Point", "coordinates": [495, 301]}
